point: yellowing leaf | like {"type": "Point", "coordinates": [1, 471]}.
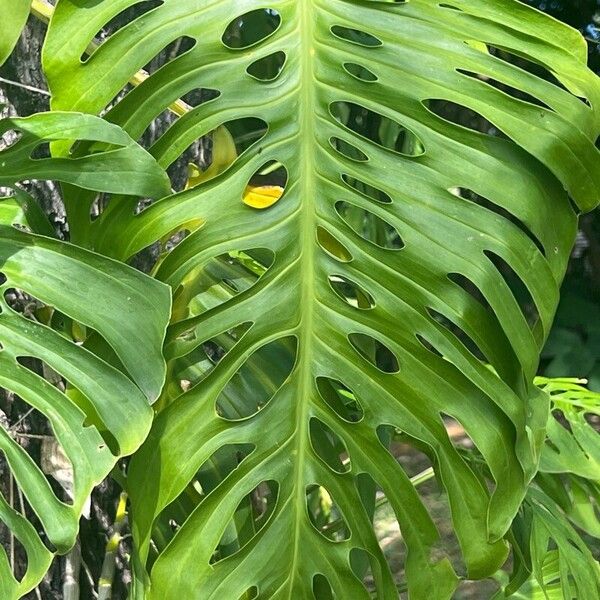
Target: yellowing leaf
{"type": "Point", "coordinates": [224, 154]}
{"type": "Point", "coordinates": [262, 197]}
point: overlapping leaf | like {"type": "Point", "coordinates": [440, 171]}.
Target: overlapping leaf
{"type": "Point", "coordinates": [104, 411]}
{"type": "Point", "coordinates": [412, 219]}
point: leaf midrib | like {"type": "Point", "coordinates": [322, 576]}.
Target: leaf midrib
{"type": "Point", "coordinates": [307, 264]}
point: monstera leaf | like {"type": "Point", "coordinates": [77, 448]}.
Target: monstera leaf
{"type": "Point", "coordinates": [367, 302]}
{"type": "Point", "coordinates": [97, 403]}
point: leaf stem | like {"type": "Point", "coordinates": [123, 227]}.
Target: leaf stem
{"type": "Point", "coordinates": [71, 574]}
{"type": "Point", "coordinates": [108, 566]}
{"type": "Point", "coordinates": [42, 10]}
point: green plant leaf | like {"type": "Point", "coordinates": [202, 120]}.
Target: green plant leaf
{"type": "Point", "coordinates": [22, 210]}
{"type": "Point", "coordinates": [129, 310]}
{"type": "Point", "coordinates": [559, 562]}
{"type": "Point", "coordinates": [391, 248]}
{"type": "Point", "coordinates": [114, 164]}
{"type": "Point", "coordinates": [576, 449]}
{"type": "Point", "coordinates": [96, 411]}
{"type": "Point", "coordinates": [14, 16]}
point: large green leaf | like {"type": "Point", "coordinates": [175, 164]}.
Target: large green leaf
{"type": "Point", "coordinates": [422, 286]}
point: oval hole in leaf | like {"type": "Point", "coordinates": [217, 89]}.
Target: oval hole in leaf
{"type": "Point", "coordinates": [509, 90]}
{"type": "Point", "coordinates": [198, 360]}
{"type": "Point", "coordinates": [251, 28]}
{"type": "Point", "coordinates": [466, 284]}
{"type": "Point", "coordinates": [355, 36]}
{"type": "Point", "coordinates": [267, 68]}
{"type": "Point", "coordinates": [9, 138]}
{"type": "Point", "coordinates": [369, 226]}
{"type": "Point", "coordinates": [178, 47]}
{"type": "Point", "coordinates": [363, 563]}
{"type": "Point", "coordinates": [411, 453]}
{"type": "Point", "coordinates": [216, 281]}
{"type": "Point", "coordinates": [250, 594]}
{"type": "Point", "coordinates": [458, 114]}
{"type": "Point", "coordinates": [251, 515]}
{"type": "Point", "coordinates": [340, 399]}
{"type": "Point", "coordinates": [348, 150]}
{"type": "Point", "coordinates": [209, 476]}
{"type": "Point", "coordinates": [457, 432]}
{"type": "Point", "coordinates": [258, 380]}
{"type": "Point", "coordinates": [329, 447]}
{"type": "Point", "coordinates": [377, 128]}
{"type": "Point", "coordinates": [121, 20]}
{"type": "Point", "coordinates": [367, 189]}
{"type": "Point", "coordinates": [375, 352]}
{"type": "Point", "coordinates": [325, 515]}
{"type": "Point", "coordinates": [229, 142]}
{"type": "Point", "coordinates": [199, 96]}
{"type": "Point", "coordinates": [533, 67]}
{"type": "Point", "coordinates": [351, 292]}
{"type": "Point", "coordinates": [450, 7]}
{"type": "Point", "coordinates": [359, 72]}
{"type": "Point", "coordinates": [428, 345]}
{"type": "Point", "coordinates": [322, 588]}
{"type": "Point", "coordinates": [333, 246]}
{"type": "Point", "coordinates": [41, 151]}
{"type": "Point", "coordinates": [267, 186]}
{"type": "Point", "coordinates": [246, 132]}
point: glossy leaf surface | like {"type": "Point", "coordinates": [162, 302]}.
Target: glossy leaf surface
{"type": "Point", "coordinates": [422, 260]}
{"type": "Point", "coordinates": [97, 404]}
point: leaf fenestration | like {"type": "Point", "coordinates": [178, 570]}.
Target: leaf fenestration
{"type": "Point", "coordinates": [416, 52]}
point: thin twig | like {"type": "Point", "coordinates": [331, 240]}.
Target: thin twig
{"type": "Point", "coordinates": [25, 86]}
{"type": "Point", "coordinates": [21, 419]}
{"type": "Point", "coordinates": [33, 436]}
{"type": "Point", "coordinates": [11, 498]}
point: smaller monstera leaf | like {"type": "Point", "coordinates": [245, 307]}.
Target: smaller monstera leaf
{"type": "Point", "coordinates": [575, 448]}
{"type": "Point", "coordinates": [89, 385]}
{"type": "Point", "coordinates": [552, 560]}
{"type": "Point", "coordinates": [109, 414]}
